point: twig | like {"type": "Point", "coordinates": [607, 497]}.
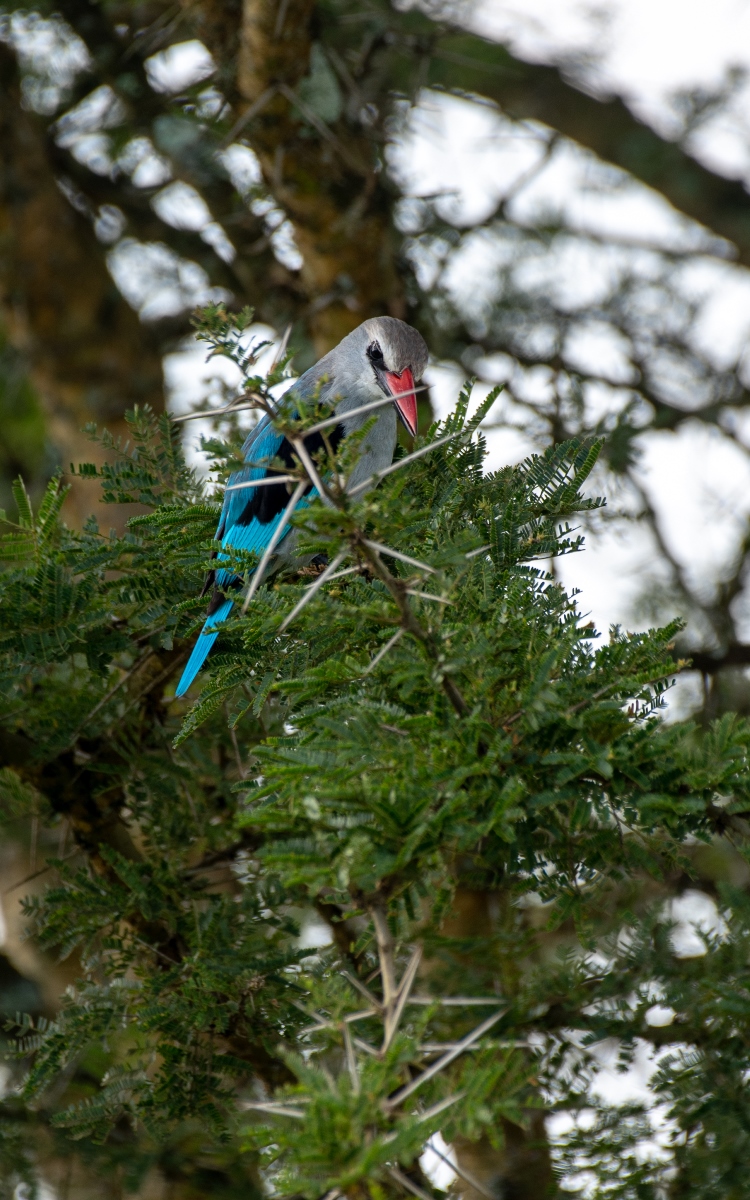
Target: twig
{"type": "Point", "coordinates": [280, 18]}
{"type": "Point", "coordinates": [410, 623]}
{"type": "Point", "coordinates": [281, 348]}
{"type": "Point", "coordinates": [41, 871]}
{"type": "Point", "coordinates": [428, 1114]}
{"type": "Point", "coordinates": [385, 945]}
{"type": "Point", "coordinates": [278, 533]}
{"type": "Point", "coordinates": [313, 588]}
{"type": "Point", "coordinates": [351, 1061]}
{"type": "Point", "coordinates": [441, 1105]}
{"type": "Point", "coordinates": [412, 562]}
{"type": "Point", "coordinates": [213, 860]}
{"type": "Point", "coordinates": [368, 1049]}
{"type": "Point", "coordinates": [445, 1061]}
{"type": "Point", "coordinates": [337, 418]}
{"type": "Point", "coordinates": [403, 462]}
{"type": "Point", "coordinates": [394, 997]}
{"type": "Point", "coordinates": [235, 744]}
{"type": "Point", "coordinates": [247, 116]}
{"type": "Point", "coordinates": [153, 33]}
{"type": "Point", "coordinates": [321, 127]}
{"type": "Point", "coordinates": [153, 949]}
{"type": "Point", "coordinates": [479, 550]}
{"type": "Point", "coordinates": [154, 683]}
{"type": "Point", "coordinates": [277, 1110]}
{"type": "Point", "coordinates": [265, 464]}
{"type": "Point", "coordinates": [428, 596]}
{"type": "Point", "coordinates": [440, 1047]}
{"type": "Point", "coordinates": [363, 408]}
{"type": "Point", "coordinates": [106, 699]}
{"type": "Point", "coordinates": [219, 412]}
{"type": "Point", "coordinates": [254, 483]}
{"type": "Point", "coordinates": [384, 650]}
{"type": "Point", "coordinates": [321, 1023]}
{"type": "Point", "coordinates": [465, 1175]}
{"type": "Point", "coordinates": [338, 575]}
{"type": "Point", "coordinates": [407, 1184]}
{"type": "Point", "coordinates": [364, 991]}
{"type": "Point", "coordinates": [393, 1018]}
{"type": "Point", "coordinates": [309, 466]}
{"type": "Point", "coordinates": [457, 1001]}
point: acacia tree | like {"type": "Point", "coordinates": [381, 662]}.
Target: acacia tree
{"type": "Point", "coordinates": [424, 747]}
{"type": "Point", "coordinates": [314, 95]}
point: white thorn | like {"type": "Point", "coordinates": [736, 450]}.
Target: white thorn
{"type": "Point", "coordinates": [407, 981]}
{"type": "Point", "coordinates": [281, 350]}
{"type": "Point", "coordinates": [363, 408]}
{"type": "Point", "coordinates": [337, 418]}
{"type": "Point", "coordinates": [412, 562]}
{"type": "Point", "coordinates": [405, 1182]}
{"type": "Point", "coordinates": [313, 588]}
{"type": "Point", "coordinates": [428, 596]}
{"type": "Point", "coordinates": [253, 483]}
{"type": "Point", "coordinates": [219, 412]}
{"type": "Point", "coordinates": [351, 1061]}
{"type": "Point", "coordinates": [465, 1175]}
{"type": "Point", "coordinates": [455, 1001]}
{"type": "Point", "coordinates": [445, 1061]}
{"type": "Point", "coordinates": [278, 533]}
{"type": "Point", "coordinates": [309, 466]}
{"type": "Point", "coordinates": [339, 575]}
{"type": "Point", "coordinates": [403, 462]}
{"type": "Point", "coordinates": [384, 650]}
{"type": "Point", "coordinates": [277, 1110]}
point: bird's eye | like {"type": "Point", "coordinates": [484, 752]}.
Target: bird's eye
{"type": "Point", "coordinates": [375, 354]}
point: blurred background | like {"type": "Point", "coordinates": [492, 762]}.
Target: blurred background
{"type": "Point", "coordinates": [553, 192]}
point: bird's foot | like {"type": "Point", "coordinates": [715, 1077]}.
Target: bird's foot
{"type": "Point", "coordinates": [316, 567]}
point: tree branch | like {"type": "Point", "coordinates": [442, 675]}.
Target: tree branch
{"type": "Point", "coordinates": [463, 61]}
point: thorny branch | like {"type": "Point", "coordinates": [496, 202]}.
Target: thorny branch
{"type": "Point", "coordinates": [363, 547]}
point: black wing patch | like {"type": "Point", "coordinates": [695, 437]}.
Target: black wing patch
{"type": "Point", "coordinates": [267, 502]}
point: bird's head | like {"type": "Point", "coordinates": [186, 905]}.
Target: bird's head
{"type": "Point", "coordinates": [386, 355]}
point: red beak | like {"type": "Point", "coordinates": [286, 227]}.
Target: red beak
{"type": "Point", "coordinates": [401, 388]}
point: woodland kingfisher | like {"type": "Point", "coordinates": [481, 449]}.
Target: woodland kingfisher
{"type": "Point", "coordinates": [382, 356]}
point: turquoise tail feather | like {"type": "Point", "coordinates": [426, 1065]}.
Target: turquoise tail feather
{"type": "Point", "coordinates": [202, 647]}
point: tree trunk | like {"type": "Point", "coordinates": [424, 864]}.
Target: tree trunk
{"type": "Point", "coordinates": [89, 356]}
{"type": "Point", "coordinates": [326, 177]}
{"type": "Point", "coordinates": [521, 1169]}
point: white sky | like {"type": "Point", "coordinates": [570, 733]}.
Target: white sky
{"type": "Point", "coordinates": [645, 50]}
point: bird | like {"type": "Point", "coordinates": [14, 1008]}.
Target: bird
{"type": "Point", "coordinates": [382, 356]}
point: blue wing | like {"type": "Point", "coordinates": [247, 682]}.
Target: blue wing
{"type": "Point", "coordinates": [262, 443]}
{"type": "Point", "coordinates": [248, 520]}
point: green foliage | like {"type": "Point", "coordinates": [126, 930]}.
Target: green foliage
{"type": "Point", "coordinates": [24, 445]}
{"type": "Point", "coordinates": [436, 724]}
